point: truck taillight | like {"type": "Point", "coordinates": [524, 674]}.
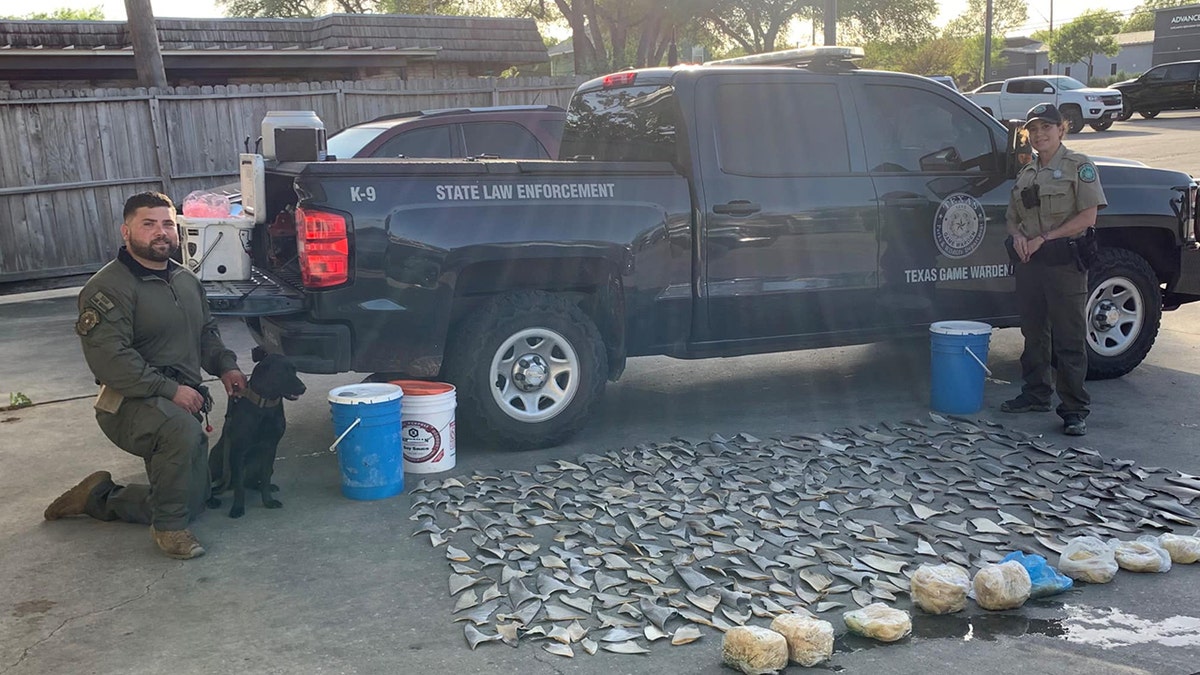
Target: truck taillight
{"type": "Point", "coordinates": [618, 80]}
{"type": "Point", "coordinates": [324, 248]}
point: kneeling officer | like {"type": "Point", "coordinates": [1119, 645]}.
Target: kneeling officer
{"type": "Point", "coordinates": [146, 332]}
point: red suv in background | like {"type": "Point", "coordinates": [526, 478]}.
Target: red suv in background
{"type": "Point", "coordinates": [507, 132]}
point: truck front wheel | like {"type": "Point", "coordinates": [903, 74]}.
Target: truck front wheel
{"type": "Point", "coordinates": [1102, 125]}
{"type": "Point", "coordinates": [1124, 309]}
{"type": "Point", "coordinates": [528, 367]}
{"type": "Point", "coordinates": [1074, 117]}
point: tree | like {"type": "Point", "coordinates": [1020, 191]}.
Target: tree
{"type": "Point", "coordinates": [1142, 17]}
{"type": "Point", "coordinates": [1081, 39]}
{"type": "Point", "coordinates": [970, 26]}
{"type": "Point", "coordinates": [1006, 15]}
{"type": "Point", "coordinates": [758, 25]}
{"type": "Point", "coordinates": [64, 14]}
{"type": "Point", "coordinates": [908, 22]}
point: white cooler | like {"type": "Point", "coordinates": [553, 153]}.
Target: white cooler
{"type": "Point", "coordinates": [217, 249]}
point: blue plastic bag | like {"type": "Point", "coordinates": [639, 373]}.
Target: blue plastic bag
{"type": "Point", "coordinates": [1045, 579]}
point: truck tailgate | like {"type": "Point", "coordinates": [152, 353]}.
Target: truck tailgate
{"type": "Point", "coordinates": [261, 295]}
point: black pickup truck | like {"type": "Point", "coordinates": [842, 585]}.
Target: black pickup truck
{"type": "Point", "coordinates": [699, 211]}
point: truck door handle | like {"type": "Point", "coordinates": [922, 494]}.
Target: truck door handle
{"type": "Point", "coordinates": [907, 202]}
{"type": "Point", "coordinates": [737, 207]}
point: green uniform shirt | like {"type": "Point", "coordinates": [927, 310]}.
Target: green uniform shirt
{"type": "Point", "coordinates": [1069, 184]}
{"type": "Point", "coordinates": [132, 321]}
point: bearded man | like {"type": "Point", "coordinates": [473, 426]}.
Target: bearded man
{"type": "Point", "coordinates": [146, 332]}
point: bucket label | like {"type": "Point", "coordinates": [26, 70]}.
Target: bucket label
{"type": "Point", "coordinates": [422, 441]}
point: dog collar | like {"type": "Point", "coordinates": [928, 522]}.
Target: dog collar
{"type": "Point", "coordinates": [252, 396]}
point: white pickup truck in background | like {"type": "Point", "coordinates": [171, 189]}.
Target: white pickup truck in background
{"type": "Point", "coordinates": [1079, 104]}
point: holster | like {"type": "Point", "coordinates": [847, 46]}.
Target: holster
{"type": "Point", "coordinates": [1086, 249]}
{"type": "Point", "coordinates": [177, 377]}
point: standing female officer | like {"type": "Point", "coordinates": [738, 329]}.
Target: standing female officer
{"type": "Point", "coordinates": [1052, 205]}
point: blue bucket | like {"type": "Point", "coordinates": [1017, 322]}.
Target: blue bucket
{"type": "Point", "coordinates": [958, 365]}
{"type": "Point", "coordinates": [366, 419]}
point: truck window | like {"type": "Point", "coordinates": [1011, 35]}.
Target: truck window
{"type": "Point", "coordinates": [503, 139]}
{"type": "Point", "coordinates": [1181, 72]}
{"type": "Point", "coordinates": [624, 124]}
{"type": "Point", "coordinates": [427, 142]}
{"type": "Point", "coordinates": [910, 129]}
{"type": "Point", "coordinates": [780, 129]}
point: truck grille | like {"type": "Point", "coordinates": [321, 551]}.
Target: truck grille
{"type": "Point", "coordinates": [1111, 100]}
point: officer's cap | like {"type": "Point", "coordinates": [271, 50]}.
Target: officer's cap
{"type": "Point", "coordinates": [1047, 112]}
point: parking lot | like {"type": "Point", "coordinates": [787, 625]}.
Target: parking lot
{"type": "Point", "coordinates": [328, 584]}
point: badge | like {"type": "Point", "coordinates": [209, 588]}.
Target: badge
{"type": "Point", "coordinates": [959, 225]}
{"type": "Point", "coordinates": [101, 301]}
{"type": "Point", "coordinates": [1087, 173]}
{"type": "Point", "coordinates": [88, 319]}
{"type": "Point", "coordinates": [1057, 173]}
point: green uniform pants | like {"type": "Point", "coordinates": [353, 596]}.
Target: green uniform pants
{"type": "Point", "coordinates": [175, 450]}
{"type": "Point", "coordinates": [1052, 300]}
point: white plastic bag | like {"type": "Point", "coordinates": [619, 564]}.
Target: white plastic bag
{"type": "Point", "coordinates": [1088, 559]}
{"type": "Point", "coordinates": [1143, 555]}
{"type": "Point", "coordinates": [1184, 550]}
{"type": "Point", "coordinates": [940, 589]}
{"type": "Point", "coordinates": [1003, 586]}
{"type": "Point", "coordinates": [809, 639]}
{"type": "Point", "coordinates": [879, 621]}
{"type": "Point", "coordinates": [754, 650]}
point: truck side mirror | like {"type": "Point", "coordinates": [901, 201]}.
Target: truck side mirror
{"type": "Point", "coordinates": [1048, 90]}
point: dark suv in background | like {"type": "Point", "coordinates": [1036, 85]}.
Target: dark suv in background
{"type": "Point", "coordinates": [1170, 86]}
{"type": "Point", "coordinates": [509, 132]}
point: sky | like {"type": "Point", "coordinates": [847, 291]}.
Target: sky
{"type": "Point", "coordinates": [114, 10]}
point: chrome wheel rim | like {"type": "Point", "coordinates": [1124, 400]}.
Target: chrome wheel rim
{"type": "Point", "coordinates": [1115, 313]}
{"type": "Point", "coordinates": [534, 375]}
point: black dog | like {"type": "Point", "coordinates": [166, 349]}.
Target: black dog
{"type": "Point", "coordinates": [244, 457]}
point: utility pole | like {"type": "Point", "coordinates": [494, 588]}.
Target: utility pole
{"type": "Point", "coordinates": [144, 34]}
{"type": "Point", "coordinates": [831, 22]}
{"type": "Point", "coordinates": [987, 45]}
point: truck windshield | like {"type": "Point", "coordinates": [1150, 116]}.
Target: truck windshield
{"type": "Point", "coordinates": [1069, 83]}
{"type": "Point", "coordinates": [624, 124]}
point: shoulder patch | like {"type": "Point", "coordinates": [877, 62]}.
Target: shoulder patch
{"type": "Point", "coordinates": [101, 302]}
{"type": "Point", "coordinates": [89, 318]}
{"type": "Point", "coordinates": [1087, 172]}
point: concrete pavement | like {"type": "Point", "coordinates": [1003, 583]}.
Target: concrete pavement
{"type": "Point", "coordinates": [331, 585]}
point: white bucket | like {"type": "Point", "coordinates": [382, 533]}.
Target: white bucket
{"type": "Point", "coordinates": [427, 428]}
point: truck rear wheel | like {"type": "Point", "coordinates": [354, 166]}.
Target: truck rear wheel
{"type": "Point", "coordinates": [1124, 309]}
{"type": "Point", "coordinates": [528, 367]}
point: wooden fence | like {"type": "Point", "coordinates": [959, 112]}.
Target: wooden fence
{"type": "Point", "coordinates": [68, 159]}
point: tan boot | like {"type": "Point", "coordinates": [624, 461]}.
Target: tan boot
{"type": "Point", "coordinates": [73, 501]}
{"type": "Point", "coordinates": [178, 544]}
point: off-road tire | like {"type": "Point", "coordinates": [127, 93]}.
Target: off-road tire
{"type": "Point", "coordinates": [475, 347]}
{"type": "Point", "coordinates": [1149, 114]}
{"type": "Point", "coordinates": [1074, 117]}
{"type": "Point", "coordinates": [1125, 280]}
{"type": "Point", "coordinates": [1126, 112]}
{"type": "Point", "coordinates": [1102, 125]}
